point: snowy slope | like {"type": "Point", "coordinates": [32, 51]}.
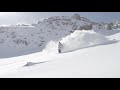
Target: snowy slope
{"type": "Point", "coordinates": [97, 61]}
{"type": "Point", "coordinates": [21, 39]}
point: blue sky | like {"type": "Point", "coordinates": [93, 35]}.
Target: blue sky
{"type": "Point", "coordinates": [33, 17]}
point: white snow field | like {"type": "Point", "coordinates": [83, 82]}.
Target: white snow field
{"type": "Point", "coordinates": [87, 55]}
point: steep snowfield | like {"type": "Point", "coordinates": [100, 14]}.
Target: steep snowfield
{"type": "Point", "coordinates": [97, 61]}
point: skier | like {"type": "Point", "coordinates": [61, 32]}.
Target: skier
{"type": "Point", "coordinates": [59, 47]}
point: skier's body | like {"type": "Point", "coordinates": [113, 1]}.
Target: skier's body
{"type": "Point", "coordinates": [59, 47]}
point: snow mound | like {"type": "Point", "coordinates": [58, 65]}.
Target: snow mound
{"type": "Point", "coordinates": [82, 39]}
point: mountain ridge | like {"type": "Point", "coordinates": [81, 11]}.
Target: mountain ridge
{"type": "Point", "coordinates": [24, 37]}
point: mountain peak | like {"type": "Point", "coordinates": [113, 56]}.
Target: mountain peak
{"type": "Point", "coordinates": [76, 16]}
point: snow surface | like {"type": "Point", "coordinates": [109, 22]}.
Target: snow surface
{"type": "Point", "coordinates": [101, 60]}
{"type": "Point", "coordinates": [81, 39]}
{"type": "Point", "coordinates": [31, 50]}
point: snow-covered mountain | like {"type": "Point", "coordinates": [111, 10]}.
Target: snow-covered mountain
{"type": "Point", "coordinates": [34, 37]}
{"type": "Point", "coordinates": [99, 61]}
{"type": "Point", "coordinates": [24, 38]}
{"type": "Point", "coordinates": [92, 52]}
